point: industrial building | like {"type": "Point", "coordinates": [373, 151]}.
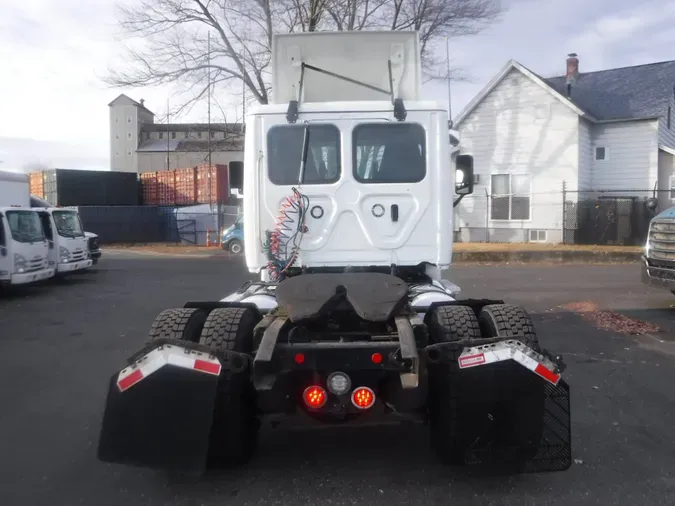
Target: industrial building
{"type": "Point", "coordinates": [139, 145]}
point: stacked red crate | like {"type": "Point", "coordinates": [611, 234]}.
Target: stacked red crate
{"type": "Point", "coordinates": [149, 188]}
{"type": "Point", "coordinates": [37, 184]}
{"type": "Point", "coordinates": [186, 186]}
{"type": "Point", "coordinates": [166, 188]}
{"type": "Point", "coordinates": [212, 184]}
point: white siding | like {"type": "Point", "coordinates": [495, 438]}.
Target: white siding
{"type": "Point", "coordinates": [667, 135]}
{"type": "Point", "coordinates": [585, 154]}
{"type": "Point", "coordinates": [631, 155]}
{"type": "Point", "coordinates": [519, 128]}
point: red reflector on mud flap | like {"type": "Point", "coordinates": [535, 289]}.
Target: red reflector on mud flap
{"type": "Point", "coordinates": [546, 374]}
{"type": "Point", "coordinates": [130, 380]}
{"type": "Point", "coordinates": [210, 367]}
{"type": "Point", "coordinates": [163, 355]}
{"type": "Point", "coordinates": [510, 350]}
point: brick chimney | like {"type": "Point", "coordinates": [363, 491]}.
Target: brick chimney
{"type": "Point", "coordinates": [572, 72]}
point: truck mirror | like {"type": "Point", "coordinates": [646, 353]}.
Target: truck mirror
{"type": "Point", "coordinates": [464, 175]}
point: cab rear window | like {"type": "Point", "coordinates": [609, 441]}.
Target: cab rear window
{"type": "Point", "coordinates": [284, 154]}
{"type": "Point", "coordinates": [389, 153]}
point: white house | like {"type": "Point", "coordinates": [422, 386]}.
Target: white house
{"type": "Point", "coordinates": [606, 130]}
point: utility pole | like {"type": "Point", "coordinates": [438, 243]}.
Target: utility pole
{"type": "Point", "coordinates": [208, 107]}
{"type": "Point", "coordinates": [447, 62]}
{"type": "Point", "coordinates": [168, 151]}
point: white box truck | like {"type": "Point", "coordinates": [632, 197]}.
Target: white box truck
{"type": "Point", "coordinates": [24, 249]}
{"type": "Point", "coordinates": [68, 244]}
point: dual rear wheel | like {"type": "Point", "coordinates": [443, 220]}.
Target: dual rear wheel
{"type": "Point", "coordinates": [460, 405]}
{"type": "Point", "coordinates": [234, 432]}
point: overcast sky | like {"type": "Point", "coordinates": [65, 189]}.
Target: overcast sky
{"type": "Point", "coordinates": [53, 105]}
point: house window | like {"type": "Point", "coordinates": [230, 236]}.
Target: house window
{"type": "Point", "coordinates": [511, 195]}
{"type": "Point", "coordinates": [537, 235]}
{"type": "Point", "coordinates": [161, 135]}
{"type": "Point", "coordinates": [199, 134]}
{"type": "Point", "coordinates": [173, 135]}
{"type": "Point", "coordinates": [147, 135]}
{"type": "Point", "coordinates": [213, 134]}
{"type": "Point", "coordinates": [600, 153]}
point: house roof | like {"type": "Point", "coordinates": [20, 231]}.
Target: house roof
{"type": "Point", "coordinates": [191, 127]}
{"type": "Point", "coordinates": [162, 146]}
{"type": "Point", "coordinates": [124, 98]}
{"type": "Point", "coordinates": [511, 65]}
{"type": "Point", "coordinates": [638, 92]}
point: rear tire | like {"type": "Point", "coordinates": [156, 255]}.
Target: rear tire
{"type": "Point", "coordinates": [507, 320]}
{"type": "Point", "coordinates": [449, 418]}
{"type": "Point", "coordinates": [182, 323]}
{"type": "Point", "coordinates": [520, 401]}
{"type": "Point", "coordinates": [235, 427]}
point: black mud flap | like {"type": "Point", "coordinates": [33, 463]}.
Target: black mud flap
{"type": "Point", "coordinates": [160, 409]}
{"type": "Point", "coordinates": [161, 422]}
{"type": "Point", "coordinates": [515, 420]}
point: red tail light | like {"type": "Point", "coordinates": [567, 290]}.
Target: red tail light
{"type": "Point", "coordinates": [363, 398]}
{"type": "Point", "coordinates": [315, 397]}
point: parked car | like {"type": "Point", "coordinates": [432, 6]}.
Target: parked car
{"type": "Point", "coordinates": [232, 239]}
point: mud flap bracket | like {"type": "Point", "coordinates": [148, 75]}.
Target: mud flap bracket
{"type": "Point", "coordinates": [406, 338]}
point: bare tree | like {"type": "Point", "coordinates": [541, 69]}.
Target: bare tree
{"type": "Point", "coordinates": [171, 36]}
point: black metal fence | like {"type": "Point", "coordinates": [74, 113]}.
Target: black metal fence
{"type": "Point", "coordinates": [610, 217]}
{"type": "Point", "coordinates": [157, 224]}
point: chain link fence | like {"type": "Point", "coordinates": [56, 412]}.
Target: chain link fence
{"type": "Point", "coordinates": [610, 217]}
{"type": "Point", "coordinates": [599, 217]}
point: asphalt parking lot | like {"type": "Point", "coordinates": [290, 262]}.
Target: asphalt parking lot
{"type": "Point", "coordinates": [61, 343]}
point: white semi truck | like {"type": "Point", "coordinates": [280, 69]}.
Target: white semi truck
{"type": "Point", "coordinates": [24, 249]}
{"type": "Point", "coordinates": [349, 189]}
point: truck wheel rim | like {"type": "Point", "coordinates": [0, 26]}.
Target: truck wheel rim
{"type": "Point", "coordinates": [235, 248]}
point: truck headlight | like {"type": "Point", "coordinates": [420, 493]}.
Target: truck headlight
{"type": "Point", "coordinates": [20, 263]}
{"type": "Point", "coordinates": [64, 254]}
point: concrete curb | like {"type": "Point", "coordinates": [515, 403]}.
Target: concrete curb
{"type": "Point", "coordinates": [560, 256]}
{"type": "Point", "coordinates": [214, 254]}
{"type": "Point", "coordinates": [459, 257]}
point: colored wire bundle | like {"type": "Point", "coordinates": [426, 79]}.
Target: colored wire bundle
{"type": "Point", "coordinates": [283, 242]}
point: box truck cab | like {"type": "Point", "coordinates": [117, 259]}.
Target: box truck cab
{"type": "Point", "coordinates": [23, 247]}
{"type": "Point", "coordinates": [68, 244]}
{"type": "Point", "coordinates": [23, 244]}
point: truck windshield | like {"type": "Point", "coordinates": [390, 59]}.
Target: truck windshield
{"type": "Point", "coordinates": [25, 226]}
{"type": "Point", "coordinates": [68, 223]}
{"type": "Point", "coordinates": [389, 153]}
{"type": "Point", "coordinates": [284, 154]}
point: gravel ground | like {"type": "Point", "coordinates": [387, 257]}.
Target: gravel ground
{"type": "Point", "coordinates": [62, 342]}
